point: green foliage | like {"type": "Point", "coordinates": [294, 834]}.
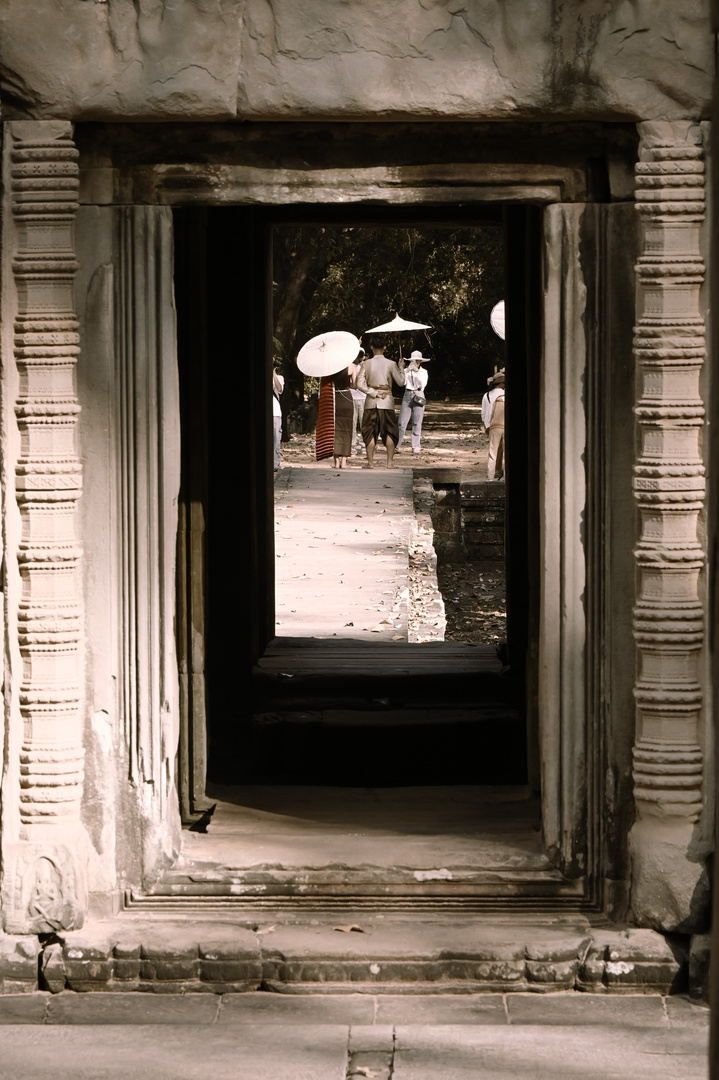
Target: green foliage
{"type": "Point", "coordinates": [450, 277]}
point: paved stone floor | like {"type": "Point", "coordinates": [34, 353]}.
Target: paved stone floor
{"type": "Point", "coordinates": [266, 1036]}
{"type": "Point", "coordinates": [476, 828]}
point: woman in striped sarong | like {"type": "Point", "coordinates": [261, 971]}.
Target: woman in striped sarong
{"type": "Point", "coordinates": [334, 419]}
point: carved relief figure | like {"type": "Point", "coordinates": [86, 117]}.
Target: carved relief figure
{"type": "Point", "coordinates": [45, 904]}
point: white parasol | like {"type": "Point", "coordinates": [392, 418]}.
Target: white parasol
{"type": "Point", "coordinates": [396, 326]}
{"type": "Point", "coordinates": [496, 319]}
{"type": "Point", "coordinates": [328, 353]}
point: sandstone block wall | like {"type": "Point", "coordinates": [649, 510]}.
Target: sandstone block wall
{"type": "Point", "coordinates": [281, 59]}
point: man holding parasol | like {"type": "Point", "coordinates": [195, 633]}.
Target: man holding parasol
{"type": "Point", "coordinates": [379, 420]}
{"type": "Point", "coordinates": [376, 379]}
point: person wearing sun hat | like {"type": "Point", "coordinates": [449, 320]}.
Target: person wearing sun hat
{"type": "Point", "coordinates": [493, 420]}
{"type": "Point", "coordinates": [413, 400]}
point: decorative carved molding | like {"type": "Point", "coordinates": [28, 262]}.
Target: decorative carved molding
{"type": "Point", "coordinates": [47, 895]}
{"type": "Point", "coordinates": [669, 485]}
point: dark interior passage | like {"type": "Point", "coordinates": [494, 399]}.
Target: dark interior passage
{"type": "Point", "coordinates": [379, 725]}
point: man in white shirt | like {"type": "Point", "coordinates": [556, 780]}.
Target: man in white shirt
{"type": "Point", "coordinates": [379, 420]}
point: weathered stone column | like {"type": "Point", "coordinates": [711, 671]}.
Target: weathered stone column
{"type": "Point", "coordinates": [43, 839]}
{"type": "Point", "coordinates": [668, 878]}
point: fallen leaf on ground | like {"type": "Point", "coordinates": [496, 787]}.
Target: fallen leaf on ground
{"type": "Point", "coordinates": [349, 927]}
{"type": "Point", "coordinates": [266, 929]}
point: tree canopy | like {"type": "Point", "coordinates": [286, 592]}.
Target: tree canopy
{"type": "Point", "coordinates": [354, 277]}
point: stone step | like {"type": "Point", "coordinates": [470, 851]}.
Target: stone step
{"type": "Point", "coordinates": [308, 657]}
{"type": "Point", "coordinates": [375, 747]}
{"type": "Point", "coordinates": [369, 882]}
{"type": "Point", "coordinates": [323, 953]}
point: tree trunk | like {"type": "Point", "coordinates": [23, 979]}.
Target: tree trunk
{"type": "Point", "coordinates": [297, 254]}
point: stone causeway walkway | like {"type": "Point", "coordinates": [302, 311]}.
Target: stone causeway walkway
{"type": "Point", "coordinates": [342, 552]}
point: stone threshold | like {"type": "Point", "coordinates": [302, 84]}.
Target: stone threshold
{"type": "Point", "coordinates": [369, 952]}
{"type": "Point", "coordinates": [364, 1011]}
{"type": "Point", "coordinates": [358, 884]}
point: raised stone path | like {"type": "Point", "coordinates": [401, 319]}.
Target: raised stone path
{"type": "Point", "coordinates": [342, 541]}
{"type": "Point", "coordinates": [264, 1036]}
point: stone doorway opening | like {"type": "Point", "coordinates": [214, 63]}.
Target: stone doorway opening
{"type": "Point", "coordinates": [233, 668]}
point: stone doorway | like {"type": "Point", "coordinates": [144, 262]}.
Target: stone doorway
{"type": "Point", "coordinates": [209, 288]}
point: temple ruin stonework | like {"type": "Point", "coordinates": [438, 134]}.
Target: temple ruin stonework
{"type": "Point", "coordinates": [134, 134]}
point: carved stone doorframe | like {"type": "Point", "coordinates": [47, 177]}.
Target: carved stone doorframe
{"type": "Point", "coordinates": [669, 882]}
{"type": "Point", "coordinates": [43, 840]}
{"type": "Point", "coordinates": [566, 758]}
{"type": "Point", "coordinates": [569, 760]}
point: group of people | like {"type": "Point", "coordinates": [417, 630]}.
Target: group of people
{"type": "Point", "coordinates": [362, 396]}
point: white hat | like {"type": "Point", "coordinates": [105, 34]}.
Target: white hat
{"type": "Point", "coordinates": [417, 355]}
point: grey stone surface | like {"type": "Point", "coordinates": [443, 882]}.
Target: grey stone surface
{"type": "Point", "coordinates": [129, 1009]}
{"type": "Point", "coordinates": [18, 963]}
{"type": "Point", "coordinates": [580, 1010]}
{"type": "Point", "coordinates": [278, 59]}
{"type": "Point", "coordinates": [682, 1012]}
{"type": "Point", "coordinates": [256, 1052]}
{"type": "Point", "coordinates": [23, 1008]}
{"type": "Point", "coordinates": [374, 1037]}
{"type": "Point", "coordinates": [282, 1043]}
{"type": "Point", "coordinates": [264, 1008]}
{"type": "Point", "coordinates": [442, 1009]}
{"type": "Point", "coordinates": [548, 1053]}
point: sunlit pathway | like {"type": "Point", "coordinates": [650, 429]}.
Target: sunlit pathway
{"type": "Point", "coordinates": [342, 552]}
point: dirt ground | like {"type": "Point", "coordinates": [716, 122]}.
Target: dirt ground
{"type": "Point", "coordinates": [474, 602]}
{"type": "Point", "coordinates": [452, 438]}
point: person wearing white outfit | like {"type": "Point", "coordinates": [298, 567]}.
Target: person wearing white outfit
{"type": "Point", "coordinates": [358, 399]}
{"type": "Point", "coordinates": [493, 420]}
{"type": "Point", "coordinates": [413, 400]}
{"type": "Point", "coordinates": [278, 385]}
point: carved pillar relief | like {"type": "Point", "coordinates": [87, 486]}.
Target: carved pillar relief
{"type": "Point", "coordinates": [43, 868]}
{"type": "Point", "coordinates": [669, 488]}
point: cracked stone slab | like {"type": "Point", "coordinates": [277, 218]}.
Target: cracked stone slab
{"type": "Point", "coordinates": [279, 60]}
{"type": "Point", "coordinates": [562, 1053]}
